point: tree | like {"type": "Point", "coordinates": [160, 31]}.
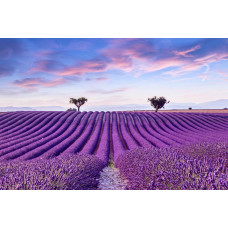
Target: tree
{"type": "Point", "coordinates": [158, 102]}
{"type": "Point", "coordinates": [78, 102]}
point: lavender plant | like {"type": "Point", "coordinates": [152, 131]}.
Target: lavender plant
{"type": "Point", "coordinates": [77, 172]}
{"type": "Point", "coordinates": [202, 166]}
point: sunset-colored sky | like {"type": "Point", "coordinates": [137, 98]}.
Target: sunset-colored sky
{"type": "Point", "coordinates": [47, 72]}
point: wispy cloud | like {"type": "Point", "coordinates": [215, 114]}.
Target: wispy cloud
{"type": "Point", "coordinates": [97, 79]}
{"type": "Point", "coordinates": [198, 63]}
{"type": "Point", "coordinates": [108, 91]}
{"type": "Point", "coordinates": [33, 83]}
{"type": "Point", "coordinates": [83, 67]}
{"type": "Point", "coordinates": [185, 53]}
{"type": "Point", "coordinates": [49, 66]}
{"type": "Point", "coordinates": [161, 64]}
{"type": "Point", "coordinates": [222, 73]}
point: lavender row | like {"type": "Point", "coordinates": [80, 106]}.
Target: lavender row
{"type": "Point", "coordinates": [36, 144]}
{"type": "Point", "coordinates": [5, 116]}
{"type": "Point", "coordinates": [27, 124]}
{"type": "Point", "coordinates": [91, 144]}
{"type": "Point", "coordinates": [142, 141]}
{"type": "Point", "coordinates": [104, 142]}
{"type": "Point", "coordinates": [154, 133]}
{"type": "Point", "coordinates": [222, 119]}
{"type": "Point", "coordinates": [41, 130]}
{"type": "Point", "coordinates": [17, 122]}
{"type": "Point", "coordinates": [154, 141]}
{"type": "Point", "coordinates": [183, 129]}
{"type": "Point", "coordinates": [207, 124]}
{"type": "Point", "coordinates": [190, 137]}
{"type": "Point", "coordinates": [76, 146]}
{"type": "Point", "coordinates": [13, 117]}
{"type": "Point", "coordinates": [63, 142]}
{"type": "Point", "coordinates": [22, 142]}
{"type": "Point", "coordinates": [192, 132]}
{"type": "Point", "coordinates": [172, 129]}
{"type": "Point", "coordinates": [118, 146]}
{"type": "Point", "coordinates": [208, 130]}
{"type": "Point", "coordinates": [129, 140]}
{"type": "Point", "coordinates": [158, 125]}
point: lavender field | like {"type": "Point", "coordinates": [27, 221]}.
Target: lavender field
{"type": "Point", "coordinates": [150, 149]}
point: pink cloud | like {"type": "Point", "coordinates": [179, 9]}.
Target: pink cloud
{"type": "Point", "coordinates": [121, 62]}
{"type": "Point", "coordinates": [186, 52]}
{"type": "Point", "coordinates": [123, 52]}
{"type": "Point", "coordinates": [101, 79]}
{"type": "Point", "coordinates": [97, 79]}
{"type": "Point", "coordinates": [82, 67]}
{"type": "Point", "coordinates": [188, 67]}
{"type": "Point", "coordinates": [222, 73]}
{"type": "Point", "coordinates": [162, 64]}
{"type": "Point", "coordinates": [33, 83]}
{"type": "Point", "coordinates": [198, 63]}
{"type": "Point", "coordinates": [49, 66]}
{"type": "Point", "coordinates": [212, 58]}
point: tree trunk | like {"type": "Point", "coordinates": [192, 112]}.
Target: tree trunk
{"type": "Point", "coordinates": [156, 109]}
{"type": "Point", "coordinates": [78, 108]}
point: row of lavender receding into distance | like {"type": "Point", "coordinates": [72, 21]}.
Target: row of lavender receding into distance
{"type": "Point", "coordinates": [36, 135]}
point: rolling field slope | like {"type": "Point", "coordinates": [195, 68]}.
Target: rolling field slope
{"type": "Point", "coordinates": [35, 135]}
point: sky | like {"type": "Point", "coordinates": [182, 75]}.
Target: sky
{"type": "Point", "coordinates": [47, 72]}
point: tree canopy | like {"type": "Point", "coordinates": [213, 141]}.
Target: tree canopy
{"type": "Point", "coordinates": [78, 102]}
{"type": "Point", "coordinates": [158, 102]}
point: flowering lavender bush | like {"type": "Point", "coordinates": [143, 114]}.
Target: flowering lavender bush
{"type": "Point", "coordinates": [199, 166]}
{"type": "Point", "coordinates": [79, 172]}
